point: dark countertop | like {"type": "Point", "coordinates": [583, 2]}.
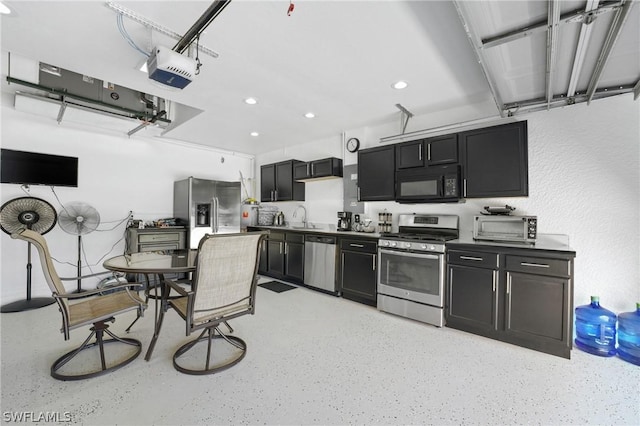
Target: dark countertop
{"type": "Point", "coordinates": [321, 229]}
{"type": "Point", "coordinates": [544, 242]}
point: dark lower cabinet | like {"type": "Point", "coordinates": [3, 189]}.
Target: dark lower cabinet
{"type": "Point", "coordinates": [358, 270]}
{"type": "Point", "coordinates": [519, 296]}
{"type": "Point", "coordinates": [294, 257]}
{"type": "Point", "coordinates": [282, 256]}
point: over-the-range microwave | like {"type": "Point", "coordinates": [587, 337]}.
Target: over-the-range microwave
{"type": "Point", "coordinates": [436, 184]}
{"type": "Point", "coordinates": [521, 229]}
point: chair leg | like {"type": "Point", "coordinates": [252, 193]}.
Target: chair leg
{"type": "Point", "coordinates": [209, 335]}
{"type": "Point", "coordinates": [146, 301]}
{"type": "Point", "coordinates": [98, 331]}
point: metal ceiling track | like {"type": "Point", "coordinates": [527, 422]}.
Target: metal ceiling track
{"type": "Point", "coordinates": [612, 36]}
{"type": "Point", "coordinates": [552, 47]}
{"type": "Point", "coordinates": [476, 44]}
{"type": "Point", "coordinates": [579, 15]}
{"type": "Point", "coordinates": [159, 28]}
{"type": "Point", "coordinates": [203, 22]}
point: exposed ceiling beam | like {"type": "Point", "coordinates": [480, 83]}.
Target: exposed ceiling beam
{"type": "Point", "coordinates": [552, 46]}
{"type": "Point", "coordinates": [579, 15]}
{"type": "Point", "coordinates": [476, 44]}
{"type": "Point", "coordinates": [619, 20]}
{"type": "Point", "coordinates": [581, 47]}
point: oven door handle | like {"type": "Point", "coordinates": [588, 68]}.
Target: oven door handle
{"type": "Point", "coordinates": [410, 254]}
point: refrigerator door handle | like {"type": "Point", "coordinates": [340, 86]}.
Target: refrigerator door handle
{"type": "Point", "coordinates": [215, 215]}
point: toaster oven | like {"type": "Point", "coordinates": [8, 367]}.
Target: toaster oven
{"type": "Point", "coordinates": [521, 229]}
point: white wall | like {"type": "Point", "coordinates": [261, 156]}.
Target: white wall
{"type": "Point", "coordinates": [116, 175]}
{"type": "Point", "coordinates": [584, 181]}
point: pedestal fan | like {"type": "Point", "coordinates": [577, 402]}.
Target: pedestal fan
{"type": "Point", "coordinates": [78, 218]}
{"type": "Point", "coordinates": [39, 216]}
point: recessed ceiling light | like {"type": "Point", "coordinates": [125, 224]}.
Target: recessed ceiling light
{"type": "Point", "coordinates": [4, 9]}
{"type": "Point", "coordinates": [400, 85]}
{"type": "Point", "coordinates": [309, 115]}
{"type": "Point", "coordinates": [255, 134]}
{"type": "Point", "coordinates": [251, 101]}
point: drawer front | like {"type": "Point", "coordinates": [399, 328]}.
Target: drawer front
{"type": "Point", "coordinates": [277, 236]}
{"type": "Point", "coordinates": [359, 245]}
{"type": "Point", "coordinates": [473, 259]}
{"type": "Point", "coordinates": [159, 247]}
{"type": "Point", "coordinates": [159, 237]}
{"type": "Point", "coordinates": [538, 265]}
{"type": "Point", "coordinates": [294, 237]}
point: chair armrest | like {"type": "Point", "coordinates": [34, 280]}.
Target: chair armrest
{"type": "Point", "coordinates": [87, 293]}
{"type": "Point", "coordinates": [87, 276]}
{"type": "Point", "coordinates": [176, 287]}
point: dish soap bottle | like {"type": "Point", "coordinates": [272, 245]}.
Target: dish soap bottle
{"type": "Point", "coordinates": [629, 336]}
{"type": "Point", "coordinates": [596, 329]}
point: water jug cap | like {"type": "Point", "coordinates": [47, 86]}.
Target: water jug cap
{"type": "Point", "coordinates": [595, 298]}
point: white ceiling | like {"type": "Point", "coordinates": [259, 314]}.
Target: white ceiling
{"type": "Point", "coordinates": [337, 59]}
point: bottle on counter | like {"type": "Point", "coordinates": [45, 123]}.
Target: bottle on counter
{"type": "Point", "coordinates": [629, 335]}
{"type": "Point", "coordinates": [596, 329]}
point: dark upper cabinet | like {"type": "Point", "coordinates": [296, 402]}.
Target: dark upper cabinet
{"type": "Point", "coordinates": [318, 169]}
{"type": "Point", "coordinates": [495, 161]}
{"type": "Point", "coordinates": [277, 183]}
{"type": "Point", "coordinates": [427, 152]}
{"type": "Point", "coordinates": [376, 174]}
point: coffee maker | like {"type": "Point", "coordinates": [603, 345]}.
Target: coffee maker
{"type": "Point", "coordinates": [344, 221]}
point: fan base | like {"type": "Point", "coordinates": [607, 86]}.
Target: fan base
{"type": "Point", "coordinates": [27, 305]}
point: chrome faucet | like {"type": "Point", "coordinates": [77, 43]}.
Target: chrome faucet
{"type": "Point", "coordinates": [304, 219]}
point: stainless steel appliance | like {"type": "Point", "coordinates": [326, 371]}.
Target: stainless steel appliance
{"type": "Point", "coordinates": [433, 184]}
{"type": "Point", "coordinates": [411, 268]}
{"type": "Point", "coordinates": [344, 221]}
{"type": "Point", "coordinates": [320, 262]}
{"type": "Point", "coordinates": [520, 229]}
{"type": "Point", "coordinates": [207, 207]}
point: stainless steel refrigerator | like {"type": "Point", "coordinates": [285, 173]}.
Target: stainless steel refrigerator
{"type": "Point", "coordinates": [207, 207]}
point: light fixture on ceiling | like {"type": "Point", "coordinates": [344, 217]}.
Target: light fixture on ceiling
{"type": "Point", "coordinates": [310, 115]}
{"type": "Point", "coordinates": [400, 85]}
{"type": "Point", "coordinates": [4, 9]}
{"type": "Point", "coordinates": [255, 134]}
{"type": "Point", "coordinates": [251, 101]}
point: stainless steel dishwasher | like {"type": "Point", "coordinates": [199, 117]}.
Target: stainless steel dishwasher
{"type": "Point", "coordinates": [320, 262]}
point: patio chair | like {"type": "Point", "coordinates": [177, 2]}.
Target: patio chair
{"type": "Point", "coordinates": [223, 288]}
{"type": "Point", "coordinates": [95, 311]}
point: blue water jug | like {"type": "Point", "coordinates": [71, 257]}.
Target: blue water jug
{"type": "Point", "coordinates": [596, 329]}
{"type": "Point", "coordinates": [629, 336]}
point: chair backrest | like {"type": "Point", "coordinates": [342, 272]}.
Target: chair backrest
{"type": "Point", "coordinates": [50, 274]}
{"type": "Point", "coordinates": [225, 279]}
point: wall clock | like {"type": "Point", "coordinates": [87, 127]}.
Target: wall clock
{"type": "Point", "coordinates": [353, 144]}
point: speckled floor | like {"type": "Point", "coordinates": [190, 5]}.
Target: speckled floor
{"type": "Point", "coordinates": [318, 359]}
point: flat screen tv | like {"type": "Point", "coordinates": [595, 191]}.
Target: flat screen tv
{"type": "Point", "coordinates": [32, 168]}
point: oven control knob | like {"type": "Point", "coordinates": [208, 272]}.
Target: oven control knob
{"type": "Point", "coordinates": [407, 245]}
{"type": "Point", "coordinates": [432, 247]}
{"type": "Point", "coordinates": [423, 246]}
{"type": "Point", "coordinates": [385, 243]}
{"type": "Point", "coordinates": [393, 244]}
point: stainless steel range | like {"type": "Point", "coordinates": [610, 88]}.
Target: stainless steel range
{"type": "Point", "coordinates": [411, 273]}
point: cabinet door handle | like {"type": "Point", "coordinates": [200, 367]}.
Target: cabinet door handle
{"type": "Point", "coordinates": [429, 152]}
{"type": "Point", "coordinates": [280, 246]}
{"type": "Point", "coordinates": [471, 258]}
{"type": "Point", "coordinates": [358, 193]}
{"type": "Point", "coordinates": [286, 248]}
{"type": "Point", "coordinates": [312, 169]}
{"type": "Point", "coordinates": [308, 174]}
{"type": "Point", "coordinates": [537, 265]}
{"type": "Point", "coordinates": [276, 195]}
{"type": "Point", "coordinates": [509, 285]}
{"type": "Point", "coordinates": [495, 273]}
{"type": "Point", "coordinates": [420, 152]}
{"type": "Point", "coordinates": [464, 187]}
{"type": "Point", "coordinates": [356, 245]}
{"type": "Point", "coordinates": [374, 262]}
